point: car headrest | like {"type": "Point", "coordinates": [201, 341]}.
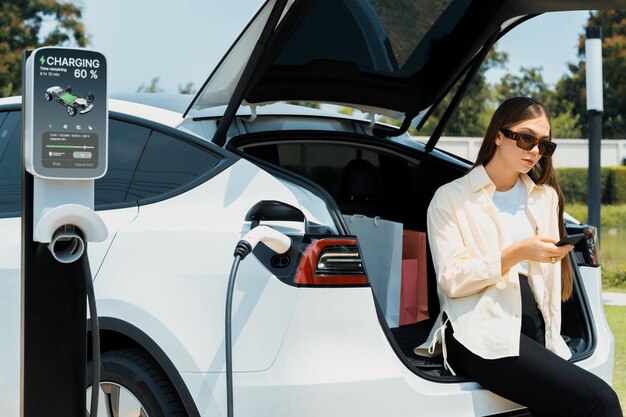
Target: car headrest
{"type": "Point", "coordinates": [360, 182]}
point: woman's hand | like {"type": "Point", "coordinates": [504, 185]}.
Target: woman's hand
{"type": "Point", "coordinates": [536, 248]}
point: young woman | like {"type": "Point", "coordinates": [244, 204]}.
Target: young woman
{"type": "Point", "coordinates": [501, 278]}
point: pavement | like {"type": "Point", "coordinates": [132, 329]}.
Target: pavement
{"type": "Point", "coordinates": [614, 298]}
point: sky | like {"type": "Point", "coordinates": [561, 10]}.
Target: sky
{"type": "Point", "coordinates": [181, 41]}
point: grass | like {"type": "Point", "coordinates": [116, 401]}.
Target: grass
{"type": "Point", "coordinates": [612, 243]}
{"type": "Point", "coordinates": [616, 315]}
{"type": "Point", "coordinates": [613, 261]}
{"type": "Point", "coordinates": [613, 216]}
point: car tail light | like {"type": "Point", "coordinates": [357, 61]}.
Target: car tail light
{"type": "Point", "coordinates": [591, 234]}
{"type": "Point", "coordinates": [331, 261]}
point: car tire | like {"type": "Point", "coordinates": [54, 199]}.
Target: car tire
{"type": "Point", "coordinates": [71, 110]}
{"type": "Point", "coordinates": [47, 96]}
{"type": "Point", "coordinates": [132, 381]}
{"type": "Point", "coordinates": [68, 89]}
{"type": "Point", "coordinates": [89, 97]}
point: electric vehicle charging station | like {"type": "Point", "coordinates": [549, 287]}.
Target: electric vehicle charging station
{"type": "Point", "coordinates": [65, 136]}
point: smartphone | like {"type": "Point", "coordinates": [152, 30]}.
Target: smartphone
{"type": "Point", "coordinates": [570, 240]}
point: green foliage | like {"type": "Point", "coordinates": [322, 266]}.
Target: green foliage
{"type": "Point", "coordinates": [346, 111]}
{"type": "Point", "coordinates": [613, 275]}
{"type": "Point", "coordinates": [572, 89]}
{"type": "Point", "coordinates": [612, 249]}
{"type": "Point", "coordinates": [529, 84]}
{"type": "Point", "coordinates": [616, 316]}
{"type": "Point", "coordinates": [612, 216]}
{"type": "Point", "coordinates": [311, 104]}
{"type": "Point", "coordinates": [573, 183]}
{"type": "Point", "coordinates": [153, 87]}
{"type": "Point", "coordinates": [21, 24]}
{"type": "Point", "coordinates": [475, 109]}
{"type": "Point", "coordinates": [566, 102]}
{"type": "Point", "coordinates": [565, 125]}
{"type": "Point", "coordinates": [187, 89]}
{"type": "Point", "coordinates": [619, 180]}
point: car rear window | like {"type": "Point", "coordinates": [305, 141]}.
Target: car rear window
{"type": "Point", "coordinates": [372, 34]}
{"type": "Point", "coordinates": [10, 163]}
{"type": "Point", "coordinates": [167, 164]}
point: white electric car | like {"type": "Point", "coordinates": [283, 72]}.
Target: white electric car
{"type": "Point", "coordinates": [310, 337]}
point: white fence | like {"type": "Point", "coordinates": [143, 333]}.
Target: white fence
{"type": "Point", "coordinates": [570, 152]}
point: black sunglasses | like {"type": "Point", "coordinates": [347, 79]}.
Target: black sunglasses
{"type": "Point", "coordinates": [527, 142]}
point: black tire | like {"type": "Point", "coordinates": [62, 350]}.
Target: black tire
{"type": "Point", "coordinates": [71, 110]}
{"type": "Point", "coordinates": [89, 97]}
{"type": "Point", "coordinates": [47, 96]}
{"type": "Point", "coordinates": [68, 89]}
{"type": "Point", "coordinates": [142, 376]}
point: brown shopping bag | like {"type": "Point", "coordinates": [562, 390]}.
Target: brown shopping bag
{"type": "Point", "coordinates": [413, 287]}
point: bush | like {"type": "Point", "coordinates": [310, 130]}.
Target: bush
{"type": "Point", "coordinates": [619, 184]}
{"type": "Point", "coordinates": [613, 275]}
{"type": "Point", "coordinates": [573, 183]}
{"type": "Point", "coordinates": [611, 216]}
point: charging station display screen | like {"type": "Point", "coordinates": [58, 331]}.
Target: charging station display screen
{"type": "Point", "coordinates": [67, 102]}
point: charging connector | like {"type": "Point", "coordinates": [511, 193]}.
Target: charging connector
{"type": "Point", "coordinates": [276, 241]}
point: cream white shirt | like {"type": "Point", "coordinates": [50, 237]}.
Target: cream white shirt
{"type": "Point", "coordinates": [466, 239]}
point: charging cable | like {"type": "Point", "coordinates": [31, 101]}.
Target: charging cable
{"type": "Point", "coordinates": [276, 241]}
{"type": "Point", "coordinates": [95, 337]}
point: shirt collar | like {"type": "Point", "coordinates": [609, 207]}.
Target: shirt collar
{"type": "Point", "coordinates": [479, 179]}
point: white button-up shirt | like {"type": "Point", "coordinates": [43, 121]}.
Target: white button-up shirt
{"type": "Point", "coordinates": [466, 240]}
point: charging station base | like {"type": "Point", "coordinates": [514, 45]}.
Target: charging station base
{"type": "Point", "coordinates": [54, 326]}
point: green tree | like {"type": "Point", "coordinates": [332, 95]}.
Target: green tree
{"type": "Point", "coordinates": [572, 89]}
{"type": "Point", "coordinates": [30, 24]}
{"type": "Point", "coordinates": [153, 87]}
{"type": "Point", "coordinates": [566, 124]}
{"type": "Point", "coordinates": [187, 89]}
{"type": "Point", "coordinates": [474, 111]}
{"type": "Point", "coordinates": [530, 83]}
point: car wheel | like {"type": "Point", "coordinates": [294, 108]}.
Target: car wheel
{"type": "Point", "coordinates": [132, 384]}
{"type": "Point", "coordinates": [71, 110]}
{"type": "Point", "coordinates": [68, 89]}
{"type": "Point", "coordinates": [89, 97]}
{"type": "Point", "coordinates": [47, 96]}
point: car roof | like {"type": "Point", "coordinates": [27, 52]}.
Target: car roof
{"type": "Point", "coordinates": [143, 111]}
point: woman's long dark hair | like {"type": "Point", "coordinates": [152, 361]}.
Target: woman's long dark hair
{"type": "Point", "coordinates": [510, 113]}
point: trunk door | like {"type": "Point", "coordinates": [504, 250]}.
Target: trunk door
{"type": "Point", "coordinates": [388, 56]}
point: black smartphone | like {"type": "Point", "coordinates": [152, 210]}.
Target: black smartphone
{"type": "Point", "coordinates": [570, 240]}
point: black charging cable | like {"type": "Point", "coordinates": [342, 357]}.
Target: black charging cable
{"type": "Point", "coordinates": [95, 336]}
{"type": "Point", "coordinates": [242, 250]}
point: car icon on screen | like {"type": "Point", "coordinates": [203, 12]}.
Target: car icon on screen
{"type": "Point", "coordinates": [73, 103]}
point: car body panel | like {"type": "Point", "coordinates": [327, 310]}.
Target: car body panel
{"type": "Point", "coordinates": [356, 371]}
{"type": "Point", "coordinates": [184, 248]}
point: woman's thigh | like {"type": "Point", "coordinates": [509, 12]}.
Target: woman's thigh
{"type": "Point", "coordinates": [538, 379]}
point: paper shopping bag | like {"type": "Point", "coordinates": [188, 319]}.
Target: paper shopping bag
{"type": "Point", "coordinates": [414, 286]}
{"type": "Point", "coordinates": [381, 250]}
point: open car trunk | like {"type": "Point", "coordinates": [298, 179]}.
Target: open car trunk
{"type": "Point", "coordinates": [396, 183]}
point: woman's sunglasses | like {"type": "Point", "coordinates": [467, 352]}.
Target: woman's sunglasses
{"type": "Point", "coordinates": [528, 142]}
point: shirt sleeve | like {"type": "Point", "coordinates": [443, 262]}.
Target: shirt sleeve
{"type": "Point", "coordinates": [459, 272]}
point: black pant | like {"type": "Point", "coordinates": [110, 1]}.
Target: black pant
{"type": "Point", "coordinates": [538, 379]}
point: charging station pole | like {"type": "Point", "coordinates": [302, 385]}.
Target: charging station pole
{"type": "Point", "coordinates": [595, 107]}
{"type": "Point", "coordinates": [65, 128]}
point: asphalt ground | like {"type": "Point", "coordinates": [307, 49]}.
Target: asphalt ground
{"type": "Point", "coordinates": [614, 298]}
